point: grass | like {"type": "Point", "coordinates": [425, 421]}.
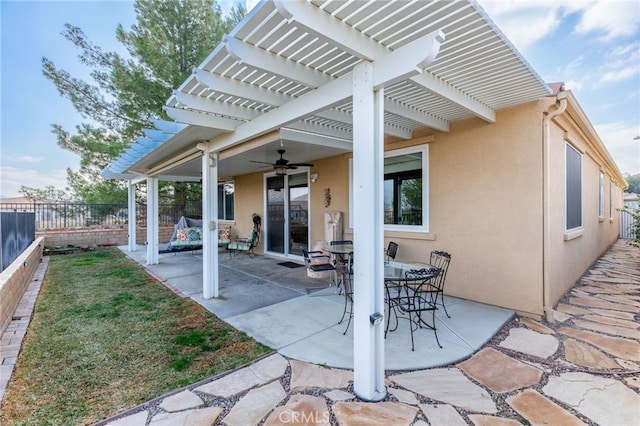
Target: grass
{"type": "Point", "coordinates": [106, 336]}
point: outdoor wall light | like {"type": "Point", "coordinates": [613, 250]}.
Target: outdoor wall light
{"type": "Point", "coordinates": [314, 177]}
{"type": "Point", "coordinates": [375, 318]}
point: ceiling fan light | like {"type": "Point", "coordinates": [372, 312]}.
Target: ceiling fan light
{"type": "Point", "coordinates": [281, 170]}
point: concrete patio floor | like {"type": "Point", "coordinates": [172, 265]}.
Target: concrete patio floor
{"type": "Point", "coordinates": [298, 316]}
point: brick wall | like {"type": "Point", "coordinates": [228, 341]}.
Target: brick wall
{"type": "Point", "coordinates": [93, 237]}
{"type": "Point", "coordinates": [15, 279]}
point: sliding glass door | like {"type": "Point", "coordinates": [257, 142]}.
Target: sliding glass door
{"type": "Point", "coordinates": [287, 213]}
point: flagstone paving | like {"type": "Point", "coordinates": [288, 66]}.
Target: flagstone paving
{"type": "Point", "coordinates": [582, 369]}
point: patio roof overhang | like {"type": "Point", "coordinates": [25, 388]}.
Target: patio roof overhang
{"type": "Point", "coordinates": [342, 75]}
{"type": "Point", "coordinates": [287, 67]}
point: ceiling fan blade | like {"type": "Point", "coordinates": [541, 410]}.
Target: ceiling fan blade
{"type": "Point", "coordinates": [261, 162]}
{"type": "Point", "coordinates": [301, 164]}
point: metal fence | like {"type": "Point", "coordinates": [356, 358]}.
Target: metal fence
{"type": "Point", "coordinates": [77, 215]}
{"type": "Point", "coordinates": [627, 223]}
{"type": "Point", "coordinates": [17, 231]}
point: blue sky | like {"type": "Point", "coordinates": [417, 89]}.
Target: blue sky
{"type": "Point", "coordinates": [593, 46]}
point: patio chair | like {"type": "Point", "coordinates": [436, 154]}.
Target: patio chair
{"type": "Point", "coordinates": [347, 283]}
{"type": "Point", "coordinates": [419, 299]}
{"type": "Point", "coordinates": [392, 251]}
{"type": "Point", "coordinates": [244, 245]}
{"type": "Point", "coordinates": [317, 261]}
{"type": "Point", "coordinates": [441, 260]}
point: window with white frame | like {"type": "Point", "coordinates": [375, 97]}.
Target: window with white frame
{"type": "Point", "coordinates": [573, 178]}
{"type": "Point", "coordinates": [611, 193]}
{"type": "Point", "coordinates": [405, 190]}
{"type": "Point", "coordinates": [601, 196]}
{"type": "Point", "coordinates": [226, 201]}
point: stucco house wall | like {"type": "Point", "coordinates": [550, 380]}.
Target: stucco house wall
{"type": "Point", "coordinates": [486, 195]}
{"type": "Point", "coordinates": [485, 207]}
{"type": "Point", "coordinates": [572, 252]}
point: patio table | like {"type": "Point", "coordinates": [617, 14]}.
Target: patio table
{"type": "Point", "coordinates": [341, 253]}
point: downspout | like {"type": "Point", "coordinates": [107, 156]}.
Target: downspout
{"type": "Point", "coordinates": [554, 110]}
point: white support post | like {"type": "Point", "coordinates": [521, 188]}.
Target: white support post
{"type": "Point", "coordinates": [368, 232]}
{"type": "Point", "coordinates": [152, 220]}
{"type": "Point", "coordinates": [210, 225]}
{"type": "Point", "coordinates": [131, 199]}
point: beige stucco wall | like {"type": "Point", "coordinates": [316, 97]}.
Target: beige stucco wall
{"type": "Point", "coordinates": [485, 208]}
{"type": "Point", "coordinates": [571, 253]}
{"type": "Point", "coordinates": [249, 199]}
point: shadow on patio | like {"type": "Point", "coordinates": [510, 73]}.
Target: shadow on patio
{"type": "Point", "coordinates": [270, 303]}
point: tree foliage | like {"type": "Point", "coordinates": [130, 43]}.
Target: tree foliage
{"type": "Point", "coordinates": [634, 184]}
{"type": "Point", "coordinates": [47, 194]}
{"type": "Point", "coordinates": [170, 37]}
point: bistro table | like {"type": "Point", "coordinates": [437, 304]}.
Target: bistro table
{"type": "Point", "coordinates": [339, 249]}
{"type": "Point", "coordinates": [408, 290]}
{"type": "Point", "coordinates": [341, 253]}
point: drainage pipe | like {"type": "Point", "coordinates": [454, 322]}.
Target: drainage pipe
{"type": "Point", "coordinates": [556, 109]}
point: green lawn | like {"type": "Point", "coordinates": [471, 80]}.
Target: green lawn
{"type": "Point", "coordinates": [106, 336]}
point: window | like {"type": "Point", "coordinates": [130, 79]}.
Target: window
{"type": "Point", "coordinates": [611, 191]}
{"type": "Point", "coordinates": [225, 201]}
{"type": "Point", "coordinates": [405, 190]}
{"type": "Point", "coordinates": [573, 177]}
{"type": "Point", "coordinates": [601, 196]}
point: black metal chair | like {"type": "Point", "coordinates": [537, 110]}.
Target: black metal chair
{"type": "Point", "coordinates": [392, 251]}
{"type": "Point", "coordinates": [420, 298]}
{"type": "Point", "coordinates": [441, 260]}
{"type": "Point", "coordinates": [347, 282]}
{"type": "Point", "coordinates": [339, 260]}
{"type": "Point", "coordinates": [323, 266]}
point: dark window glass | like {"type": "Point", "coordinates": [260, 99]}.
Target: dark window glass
{"type": "Point", "coordinates": [403, 189]}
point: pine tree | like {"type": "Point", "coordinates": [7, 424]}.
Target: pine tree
{"type": "Point", "coordinates": [169, 39]}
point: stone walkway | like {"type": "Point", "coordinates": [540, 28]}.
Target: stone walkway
{"type": "Point", "coordinates": [582, 369]}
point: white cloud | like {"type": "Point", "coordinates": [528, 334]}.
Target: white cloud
{"type": "Point", "coordinates": [13, 178]}
{"type": "Point", "coordinates": [613, 19]}
{"type": "Point", "coordinates": [618, 138]}
{"type": "Point", "coordinates": [622, 63]}
{"type": "Point", "coordinates": [619, 75]}
{"type": "Point", "coordinates": [512, 17]}
{"type": "Point", "coordinates": [527, 22]}
{"type": "Point", "coordinates": [27, 159]}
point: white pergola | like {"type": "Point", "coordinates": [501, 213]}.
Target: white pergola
{"type": "Point", "coordinates": [334, 75]}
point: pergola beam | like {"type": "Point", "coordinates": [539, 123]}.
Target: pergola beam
{"type": "Point", "coordinates": [201, 119]}
{"type": "Point", "coordinates": [305, 15]}
{"type": "Point", "coordinates": [395, 66]}
{"type": "Point", "coordinates": [418, 116]}
{"type": "Point", "coordinates": [213, 106]}
{"type": "Point", "coordinates": [452, 94]}
{"type": "Point", "coordinates": [229, 86]}
{"type": "Point", "coordinates": [274, 64]}
{"type": "Point", "coordinates": [309, 127]}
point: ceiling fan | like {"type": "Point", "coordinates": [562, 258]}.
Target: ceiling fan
{"type": "Point", "coordinates": [282, 165]}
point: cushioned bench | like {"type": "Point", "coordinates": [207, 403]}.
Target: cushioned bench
{"type": "Point", "coordinates": [191, 238]}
